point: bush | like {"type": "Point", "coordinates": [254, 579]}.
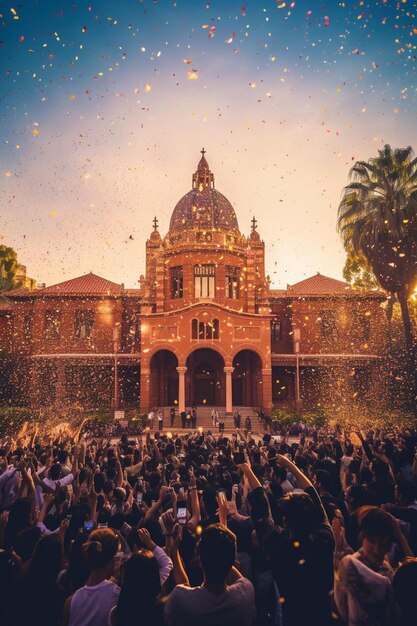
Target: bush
{"type": "Point", "coordinates": [287, 416]}
{"type": "Point", "coordinates": [13, 418]}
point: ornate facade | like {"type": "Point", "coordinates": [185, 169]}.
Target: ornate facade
{"type": "Point", "coordinates": [204, 327]}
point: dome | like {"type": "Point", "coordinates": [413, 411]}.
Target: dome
{"type": "Point", "coordinates": [203, 207]}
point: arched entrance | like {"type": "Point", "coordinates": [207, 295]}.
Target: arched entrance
{"type": "Point", "coordinates": [163, 379]}
{"type": "Point", "coordinates": [205, 378]}
{"type": "Point", "coordinates": [247, 379]}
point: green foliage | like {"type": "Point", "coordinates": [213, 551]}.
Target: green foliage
{"type": "Point", "coordinates": [377, 219]}
{"type": "Point", "coordinates": [358, 273]}
{"type": "Point", "coordinates": [288, 416]}
{"type": "Point", "coordinates": [8, 269]}
{"type": "Point", "coordinates": [377, 216]}
{"type": "Point", "coordinates": [13, 418]}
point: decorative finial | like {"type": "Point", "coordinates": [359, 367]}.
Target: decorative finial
{"type": "Point", "coordinates": [254, 224]}
{"type": "Point", "coordinates": [203, 152]}
{"type": "Point", "coordinates": [155, 223]}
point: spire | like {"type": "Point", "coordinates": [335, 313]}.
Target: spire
{"type": "Point", "coordinates": [254, 236]}
{"type": "Point", "coordinates": [155, 233]}
{"type": "Point", "coordinates": [203, 178]}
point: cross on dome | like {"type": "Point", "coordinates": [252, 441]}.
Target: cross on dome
{"type": "Point", "coordinates": [155, 223]}
{"type": "Point", "coordinates": [203, 177]}
{"type": "Point", "coordinates": [254, 224]}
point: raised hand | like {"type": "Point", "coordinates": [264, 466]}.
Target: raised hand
{"type": "Point", "coordinates": [145, 539]}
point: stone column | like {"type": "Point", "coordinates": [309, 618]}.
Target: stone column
{"type": "Point", "coordinates": [181, 388]}
{"type": "Point", "coordinates": [145, 374]}
{"type": "Point", "coordinates": [229, 400]}
{"type": "Point", "coordinates": [267, 389]}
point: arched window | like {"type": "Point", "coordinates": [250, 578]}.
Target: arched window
{"type": "Point", "coordinates": [204, 281]}
{"type": "Point", "coordinates": [194, 329]}
{"type": "Point", "coordinates": [201, 330]}
{"type": "Point", "coordinates": [216, 326]}
{"type": "Point", "coordinates": [209, 330]}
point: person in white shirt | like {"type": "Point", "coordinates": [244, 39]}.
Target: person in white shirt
{"type": "Point", "coordinates": [225, 597]}
{"type": "Point", "coordinates": [91, 605]}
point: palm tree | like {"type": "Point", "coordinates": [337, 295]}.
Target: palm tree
{"type": "Point", "coordinates": [377, 218]}
{"type": "Point", "coordinates": [8, 268]}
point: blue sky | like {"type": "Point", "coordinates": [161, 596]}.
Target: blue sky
{"type": "Point", "coordinates": [104, 107]}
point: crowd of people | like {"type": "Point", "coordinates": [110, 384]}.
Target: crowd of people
{"type": "Point", "coordinates": [208, 530]}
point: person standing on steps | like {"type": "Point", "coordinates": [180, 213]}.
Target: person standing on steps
{"type": "Point", "coordinates": [214, 418]}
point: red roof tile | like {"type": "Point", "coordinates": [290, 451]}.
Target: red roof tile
{"type": "Point", "coordinates": [89, 284]}
{"type": "Point", "coordinates": [319, 285]}
{"type": "Point", "coordinates": [21, 291]}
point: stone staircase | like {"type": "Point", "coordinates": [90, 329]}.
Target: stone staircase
{"type": "Point", "coordinates": [204, 417]}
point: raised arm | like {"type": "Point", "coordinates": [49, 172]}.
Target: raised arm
{"type": "Point", "coordinates": [180, 577]}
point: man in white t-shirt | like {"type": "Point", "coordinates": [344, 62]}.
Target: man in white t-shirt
{"type": "Point", "coordinates": [55, 474]}
{"type": "Point", "coordinates": [225, 597]}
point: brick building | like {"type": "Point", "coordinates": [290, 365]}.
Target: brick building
{"type": "Point", "coordinates": [204, 327]}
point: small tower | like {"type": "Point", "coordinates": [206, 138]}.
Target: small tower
{"type": "Point", "coordinates": [203, 177]}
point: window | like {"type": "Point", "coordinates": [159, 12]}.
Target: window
{"type": "Point", "coordinates": [27, 327]}
{"type": "Point", "coordinates": [52, 324]}
{"type": "Point", "coordinates": [276, 330]}
{"type": "Point", "coordinates": [84, 321]}
{"type": "Point", "coordinates": [328, 326]}
{"type": "Point", "coordinates": [176, 282]}
{"type": "Point", "coordinates": [205, 330]}
{"type": "Point", "coordinates": [361, 327]}
{"type": "Point", "coordinates": [204, 281]}
{"type": "Point", "coordinates": [232, 282]}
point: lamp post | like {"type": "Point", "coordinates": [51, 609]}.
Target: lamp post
{"type": "Point", "coordinates": [116, 346]}
{"type": "Point", "coordinates": [297, 338]}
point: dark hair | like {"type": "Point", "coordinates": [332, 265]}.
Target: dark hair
{"type": "Point", "coordinates": [375, 523]}
{"type": "Point", "coordinates": [99, 481]}
{"type": "Point", "coordinates": [209, 500]}
{"type": "Point", "coordinates": [407, 491]}
{"type": "Point", "coordinates": [217, 551]}
{"type": "Point", "coordinates": [19, 519]}
{"type": "Point", "coordinates": [324, 479]}
{"type": "Point", "coordinates": [55, 471]}
{"type": "Point", "coordinates": [300, 513]}
{"type": "Point", "coordinates": [404, 585]}
{"type": "Point", "coordinates": [381, 471]}
{"type": "Point", "coordinates": [140, 587]}
{"type": "Point", "coordinates": [25, 542]}
{"type": "Point", "coordinates": [358, 496]}
{"type": "Point", "coordinates": [101, 547]}
{"type": "Point", "coordinates": [46, 561]}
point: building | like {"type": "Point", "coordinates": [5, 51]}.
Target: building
{"type": "Point", "coordinates": [204, 327]}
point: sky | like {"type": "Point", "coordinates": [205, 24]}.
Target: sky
{"type": "Point", "coordinates": [105, 106]}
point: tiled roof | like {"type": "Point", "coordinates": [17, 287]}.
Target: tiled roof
{"type": "Point", "coordinates": [89, 284]}
{"type": "Point", "coordinates": [21, 291]}
{"type": "Point", "coordinates": [319, 285]}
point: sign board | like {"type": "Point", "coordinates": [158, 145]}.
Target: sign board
{"type": "Point", "coordinates": [119, 415]}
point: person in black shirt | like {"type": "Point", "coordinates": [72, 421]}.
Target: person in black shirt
{"type": "Point", "coordinates": [301, 555]}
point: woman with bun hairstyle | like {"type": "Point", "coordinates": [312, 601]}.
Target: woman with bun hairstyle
{"type": "Point", "coordinates": [90, 605]}
{"type": "Point", "coordinates": [140, 602]}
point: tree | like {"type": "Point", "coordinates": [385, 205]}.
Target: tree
{"type": "Point", "coordinates": [377, 218]}
{"type": "Point", "coordinates": [8, 269]}
{"type": "Point", "coordinates": [357, 272]}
